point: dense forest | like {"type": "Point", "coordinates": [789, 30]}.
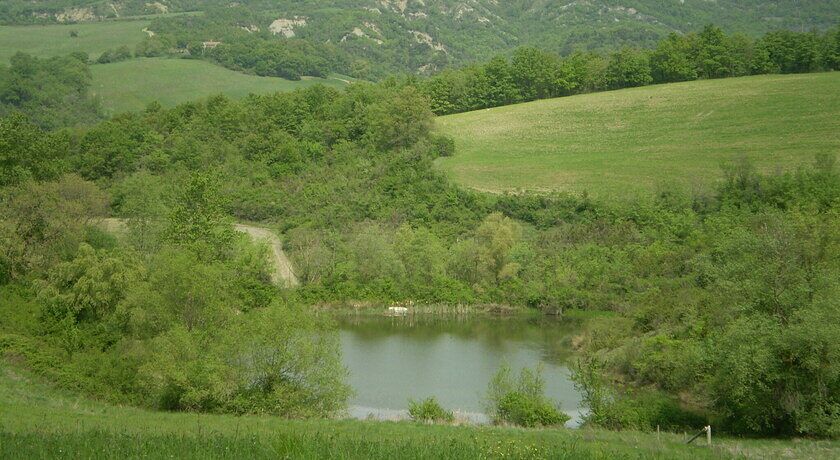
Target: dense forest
{"type": "Point", "coordinates": [348, 178]}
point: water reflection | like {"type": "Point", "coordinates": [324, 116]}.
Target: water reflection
{"type": "Point", "coordinates": [392, 359]}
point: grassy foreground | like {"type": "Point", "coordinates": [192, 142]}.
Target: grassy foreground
{"type": "Point", "coordinates": [633, 140]}
{"type": "Point", "coordinates": [133, 84]}
{"type": "Point", "coordinates": [40, 422]}
{"type": "Point", "coordinates": [55, 40]}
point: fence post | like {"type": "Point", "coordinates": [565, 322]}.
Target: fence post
{"type": "Point", "coordinates": [706, 429]}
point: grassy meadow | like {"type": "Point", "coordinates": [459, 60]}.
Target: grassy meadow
{"type": "Point", "coordinates": [54, 40]}
{"type": "Point", "coordinates": [616, 143]}
{"type": "Point", "coordinates": [37, 421]}
{"type": "Point", "coordinates": [133, 84]}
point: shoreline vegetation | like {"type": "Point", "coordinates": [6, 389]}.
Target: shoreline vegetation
{"type": "Point", "coordinates": [37, 421]}
{"type": "Point", "coordinates": [442, 310]}
{"type": "Point", "coordinates": [372, 308]}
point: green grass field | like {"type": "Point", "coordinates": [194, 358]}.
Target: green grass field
{"type": "Point", "coordinates": [37, 421]}
{"type": "Point", "coordinates": [55, 40]}
{"type": "Point", "coordinates": [133, 84]}
{"type": "Point", "coordinates": [620, 143]}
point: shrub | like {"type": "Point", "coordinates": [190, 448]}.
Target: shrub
{"type": "Point", "coordinates": [672, 364]}
{"type": "Point", "coordinates": [522, 401]}
{"type": "Point", "coordinates": [529, 411]}
{"type": "Point", "coordinates": [120, 54]}
{"type": "Point", "coordinates": [641, 410]}
{"type": "Point", "coordinates": [429, 410]}
{"type": "Point", "coordinates": [443, 146]}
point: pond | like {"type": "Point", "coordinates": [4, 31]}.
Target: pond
{"type": "Point", "coordinates": [394, 359]}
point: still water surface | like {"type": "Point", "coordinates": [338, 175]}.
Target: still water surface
{"type": "Point", "coordinates": [393, 359]}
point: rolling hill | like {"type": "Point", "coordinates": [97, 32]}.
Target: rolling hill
{"type": "Point", "coordinates": [622, 142]}
{"type": "Point", "coordinates": [133, 84]}
{"type": "Point", "coordinates": [55, 39]}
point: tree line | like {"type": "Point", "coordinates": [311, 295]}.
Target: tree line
{"type": "Point", "coordinates": [531, 73]}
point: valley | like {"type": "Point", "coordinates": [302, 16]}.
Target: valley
{"type": "Point", "coordinates": [419, 229]}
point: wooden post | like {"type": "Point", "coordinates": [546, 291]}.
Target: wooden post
{"type": "Point", "coordinates": [709, 435]}
{"type": "Point", "coordinates": [657, 433]}
{"type": "Point", "coordinates": [700, 433]}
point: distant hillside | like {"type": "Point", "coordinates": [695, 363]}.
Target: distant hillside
{"type": "Point", "coordinates": [619, 143]}
{"type": "Point", "coordinates": [425, 35]}
{"type": "Point", "coordinates": [131, 85]}
{"type": "Point", "coordinates": [55, 40]}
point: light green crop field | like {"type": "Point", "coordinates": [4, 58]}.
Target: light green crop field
{"type": "Point", "coordinates": [131, 85]}
{"type": "Point", "coordinates": [621, 143]}
{"type": "Point", "coordinates": [55, 40]}
{"type": "Point", "coordinates": [37, 421]}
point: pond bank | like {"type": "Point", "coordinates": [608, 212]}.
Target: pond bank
{"type": "Point", "coordinates": [440, 309]}
{"type": "Point", "coordinates": [453, 358]}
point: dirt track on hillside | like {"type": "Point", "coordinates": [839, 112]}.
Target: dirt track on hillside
{"type": "Point", "coordinates": [283, 272]}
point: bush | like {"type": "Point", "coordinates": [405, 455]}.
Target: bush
{"type": "Point", "coordinates": [522, 401]}
{"type": "Point", "coordinates": [529, 411]}
{"type": "Point", "coordinates": [429, 410]}
{"type": "Point", "coordinates": [645, 410]}
{"type": "Point", "coordinates": [120, 54]}
{"type": "Point", "coordinates": [443, 146]}
{"type": "Point", "coordinates": [672, 364]}
{"type": "Point", "coordinates": [642, 410]}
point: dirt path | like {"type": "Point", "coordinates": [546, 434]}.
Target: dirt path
{"type": "Point", "coordinates": [283, 272]}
